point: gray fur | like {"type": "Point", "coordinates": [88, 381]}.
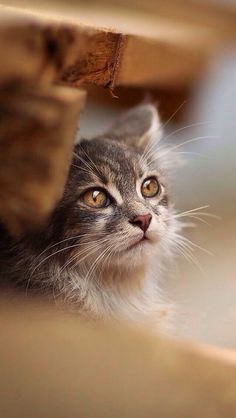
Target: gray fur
{"type": "Point", "coordinates": [83, 255]}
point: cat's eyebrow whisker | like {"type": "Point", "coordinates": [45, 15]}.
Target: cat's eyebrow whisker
{"type": "Point", "coordinates": [90, 168]}
{"type": "Point", "coordinates": [91, 161]}
{"type": "Point", "coordinates": [192, 125]}
{"type": "Point", "coordinates": [152, 144]}
{"type": "Point", "coordinates": [84, 169]}
{"type": "Point", "coordinates": [150, 148]}
{"type": "Point", "coordinates": [174, 113]}
{"type": "Point", "coordinates": [165, 150]}
{"type": "Point", "coordinates": [77, 166]}
{"type": "Point", "coordinates": [197, 154]}
{"type": "Point", "coordinates": [161, 151]}
{"type": "Point", "coordinates": [188, 142]}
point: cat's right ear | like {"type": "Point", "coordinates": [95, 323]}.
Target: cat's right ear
{"type": "Point", "coordinates": [137, 126]}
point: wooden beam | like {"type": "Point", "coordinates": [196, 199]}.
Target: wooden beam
{"type": "Point", "coordinates": [42, 49]}
{"type": "Point", "coordinates": [37, 127]}
{"type": "Point", "coordinates": [112, 44]}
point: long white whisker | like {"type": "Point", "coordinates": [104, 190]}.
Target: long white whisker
{"type": "Point", "coordinates": [192, 125]}
{"type": "Point", "coordinates": [93, 246]}
{"type": "Point", "coordinates": [189, 242]}
{"type": "Point", "coordinates": [188, 142]}
{"type": "Point", "coordinates": [189, 257]}
{"type": "Point", "coordinates": [173, 115]}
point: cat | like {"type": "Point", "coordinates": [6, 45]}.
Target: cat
{"type": "Point", "coordinates": [108, 242]}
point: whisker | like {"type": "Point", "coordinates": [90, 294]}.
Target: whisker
{"type": "Point", "coordinates": [174, 114]}
{"type": "Point", "coordinates": [192, 125]}
{"type": "Point", "coordinates": [195, 209]}
{"type": "Point", "coordinates": [69, 239]}
{"type": "Point", "coordinates": [93, 164]}
{"type": "Point", "coordinates": [197, 154]}
{"type": "Point", "coordinates": [189, 242]}
{"type": "Point", "coordinates": [93, 246]}
{"type": "Point", "coordinates": [196, 218]}
{"type": "Point", "coordinates": [189, 256]}
{"type": "Point", "coordinates": [90, 168]}
{"type": "Point", "coordinates": [190, 141]}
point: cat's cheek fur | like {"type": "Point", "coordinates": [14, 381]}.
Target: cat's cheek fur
{"type": "Point", "coordinates": [135, 295]}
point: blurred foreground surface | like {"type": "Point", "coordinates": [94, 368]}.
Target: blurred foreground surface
{"type": "Point", "coordinates": [55, 365]}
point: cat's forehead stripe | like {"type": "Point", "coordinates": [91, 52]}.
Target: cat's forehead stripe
{"type": "Point", "coordinates": [116, 167]}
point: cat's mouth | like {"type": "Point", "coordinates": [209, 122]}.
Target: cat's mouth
{"type": "Point", "coordinates": [138, 242]}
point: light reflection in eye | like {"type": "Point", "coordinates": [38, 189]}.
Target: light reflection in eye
{"type": "Point", "coordinates": [150, 187]}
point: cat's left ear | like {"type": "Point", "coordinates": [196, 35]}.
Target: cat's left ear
{"type": "Point", "coordinates": [137, 126]}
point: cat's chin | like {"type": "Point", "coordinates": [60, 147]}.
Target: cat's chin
{"type": "Point", "coordinates": [137, 253]}
{"type": "Point", "coordinates": [138, 244]}
{"type": "Point", "coordinates": [143, 244]}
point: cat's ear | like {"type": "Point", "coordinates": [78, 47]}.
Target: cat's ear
{"type": "Point", "coordinates": [137, 126]}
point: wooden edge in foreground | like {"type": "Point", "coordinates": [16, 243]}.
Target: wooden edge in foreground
{"type": "Point", "coordinates": [54, 365]}
{"type": "Point", "coordinates": [76, 45]}
{"type": "Point", "coordinates": [37, 128]}
{"type": "Point", "coordinates": [45, 50]}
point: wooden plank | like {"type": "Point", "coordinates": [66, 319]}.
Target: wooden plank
{"type": "Point", "coordinates": [53, 365]}
{"type": "Point", "coordinates": [37, 127]}
{"type": "Point", "coordinates": [111, 45]}
{"type": "Point", "coordinates": [42, 49]}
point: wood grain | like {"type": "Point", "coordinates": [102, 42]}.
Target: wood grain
{"type": "Point", "coordinates": [43, 50]}
{"type": "Point", "coordinates": [113, 44]}
{"type": "Point", "coordinates": [37, 127]}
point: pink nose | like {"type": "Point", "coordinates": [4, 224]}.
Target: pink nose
{"type": "Point", "coordinates": [142, 221]}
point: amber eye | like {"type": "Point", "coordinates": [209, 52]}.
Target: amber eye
{"type": "Point", "coordinates": [150, 187]}
{"type": "Point", "coordinates": [96, 198]}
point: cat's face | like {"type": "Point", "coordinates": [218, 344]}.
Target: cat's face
{"type": "Point", "coordinates": [116, 203]}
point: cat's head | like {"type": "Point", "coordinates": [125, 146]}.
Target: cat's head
{"type": "Point", "coordinates": [116, 211]}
